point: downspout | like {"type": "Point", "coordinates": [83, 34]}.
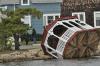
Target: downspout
{"type": "Point", "coordinates": [14, 7]}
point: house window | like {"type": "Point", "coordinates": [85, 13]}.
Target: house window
{"type": "Point", "coordinates": [3, 8]}
{"type": "Point", "coordinates": [97, 19]}
{"type": "Point", "coordinates": [25, 2]}
{"type": "Point", "coordinates": [48, 18]}
{"type": "Point", "coordinates": [26, 19]}
{"type": "Point", "coordinates": [80, 16]}
{"type": "Point", "coordinates": [56, 17]}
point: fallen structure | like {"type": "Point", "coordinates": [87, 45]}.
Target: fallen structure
{"type": "Point", "coordinates": [69, 38]}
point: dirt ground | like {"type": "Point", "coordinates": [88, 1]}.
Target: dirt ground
{"type": "Point", "coordinates": [26, 52]}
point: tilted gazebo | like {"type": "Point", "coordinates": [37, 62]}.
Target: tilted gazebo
{"type": "Point", "coordinates": [67, 37]}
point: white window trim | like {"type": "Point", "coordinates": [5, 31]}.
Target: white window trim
{"type": "Point", "coordinates": [4, 7]}
{"type": "Point", "coordinates": [30, 24]}
{"type": "Point", "coordinates": [95, 19]}
{"type": "Point", "coordinates": [28, 3]}
{"type": "Point", "coordinates": [46, 15]}
{"type": "Point", "coordinates": [80, 13]}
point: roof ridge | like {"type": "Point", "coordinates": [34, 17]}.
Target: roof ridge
{"type": "Point", "coordinates": [3, 2]}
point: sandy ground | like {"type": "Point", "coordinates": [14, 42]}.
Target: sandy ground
{"type": "Point", "coordinates": [26, 52]}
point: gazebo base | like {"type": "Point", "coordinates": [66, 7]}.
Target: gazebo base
{"type": "Point", "coordinates": [84, 44]}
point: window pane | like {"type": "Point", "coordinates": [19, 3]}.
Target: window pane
{"type": "Point", "coordinates": [26, 20]}
{"type": "Point", "coordinates": [56, 17]}
{"type": "Point", "coordinates": [97, 19]}
{"type": "Point", "coordinates": [50, 19]}
{"type": "Point", "coordinates": [25, 1]}
{"type": "Point", "coordinates": [75, 15]}
{"type": "Point", "coordinates": [97, 22]}
{"type": "Point", "coordinates": [81, 17]}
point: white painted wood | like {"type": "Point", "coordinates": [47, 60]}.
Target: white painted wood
{"type": "Point", "coordinates": [22, 2]}
{"type": "Point", "coordinates": [96, 12]}
{"type": "Point", "coordinates": [4, 8]}
{"type": "Point", "coordinates": [65, 37]}
{"type": "Point", "coordinates": [27, 20]}
{"type": "Point", "coordinates": [78, 14]}
{"type": "Point", "coordinates": [45, 19]}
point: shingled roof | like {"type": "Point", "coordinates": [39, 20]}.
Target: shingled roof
{"type": "Point", "coordinates": [2, 2]}
{"type": "Point", "coordinates": [45, 1]}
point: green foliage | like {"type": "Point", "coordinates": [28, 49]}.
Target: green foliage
{"type": "Point", "coordinates": [12, 23]}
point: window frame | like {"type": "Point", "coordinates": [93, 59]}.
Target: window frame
{"type": "Point", "coordinates": [78, 13]}
{"type": "Point", "coordinates": [50, 18]}
{"type": "Point", "coordinates": [45, 20]}
{"type": "Point", "coordinates": [3, 7]}
{"type": "Point", "coordinates": [22, 2]}
{"type": "Point", "coordinates": [30, 22]}
{"type": "Point", "coordinates": [95, 19]}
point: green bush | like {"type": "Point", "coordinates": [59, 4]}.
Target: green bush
{"type": "Point", "coordinates": [38, 37]}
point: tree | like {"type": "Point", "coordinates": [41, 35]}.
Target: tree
{"type": "Point", "coordinates": [12, 23]}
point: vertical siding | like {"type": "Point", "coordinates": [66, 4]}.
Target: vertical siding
{"type": "Point", "coordinates": [38, 25]}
